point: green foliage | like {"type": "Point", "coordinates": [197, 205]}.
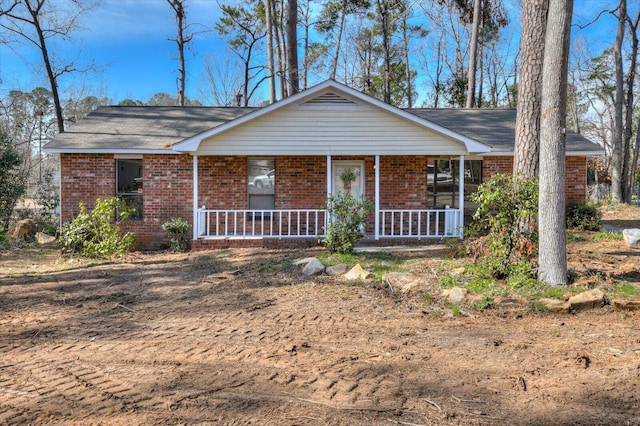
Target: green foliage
{"type": "Point", "coordinates": [179, 231]}
{"type": "Point", "coordinates": [485, 303]}
{"type": "Point", "coordinates": [47, 195]}
{"type": "Point", "coordinates": [508, 208]}
{"type": "Point", "coordinates": [584, 216]}
{"type": "Point", "coordinates": [348, 217]}
{"type": "Point", "coordinates": [94, 234]}
{"type": "Point", "coordinates": [5, 243]}
{"type": "Point", "coordinates": [608, 236]}
{"type": "Point", "coordinates": [12, 180]}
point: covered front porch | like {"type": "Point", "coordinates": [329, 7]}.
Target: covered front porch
{"type": "Point", "coordinates": [413, 199]}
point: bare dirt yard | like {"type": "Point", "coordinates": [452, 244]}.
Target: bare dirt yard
{"type": "Point", "coordinates": [242, 337]}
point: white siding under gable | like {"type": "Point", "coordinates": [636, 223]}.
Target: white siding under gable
{"type": "Point", "coordinates": [330, 125]}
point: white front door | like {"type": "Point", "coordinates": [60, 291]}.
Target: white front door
{"type": "Point", "coordinates": [348, 177]}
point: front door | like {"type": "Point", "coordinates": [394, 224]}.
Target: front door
{"type": "Point", "coordinates": [348, 177]}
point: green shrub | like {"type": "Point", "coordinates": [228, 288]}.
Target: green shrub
{"type": "Point", "coordinates": [179, 231]}
{"type": "Point", "coordinates": [348, 216]}
{"type": "Point", "coordinates": [508, 210]}
{"type": "Point", "coordinates": [5, 242]}
{"type": "Point", "coordinates": [584, 216]}
{"type": "Point", "coordinates": [94, 234]}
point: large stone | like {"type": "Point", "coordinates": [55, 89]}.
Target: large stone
{"type": "Point", "coordinates": [43, 238]}
{"type": "Point", "coordinates": [555, 305]}
{"type": "Point", "coordinates": [632, 237]}
{"type": "Point", "coordinates": [313, 267]}
{"type": "Point", "coordinates": [403, 282]}
{"type": "Point", "coordinates": [356, 273]}
{"type": "Point", "coordinates": [303, 261]}
{"type": "Point", "coordinates": [587, 300]}
{"type": "Point", "coordinates": [455, 294]}
{"type": "Point", "coordinates": [626, 304]}
{"type": "Point", "coordinates": [25, 229]}
{"type": "Point", "coordinates": [338, 269]}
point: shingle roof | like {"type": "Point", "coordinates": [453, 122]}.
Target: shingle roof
{"type": "Point", "coordinates": [141, 128]}
{"type": "Point", "coordinates": [146, 129]}
{"type": "Point", "coordinates": [493, 127]}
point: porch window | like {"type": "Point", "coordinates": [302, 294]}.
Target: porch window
{"type": "Point", "coordinates": [261, 175]}
{"type": "Point", "coordinates": [129, 184]}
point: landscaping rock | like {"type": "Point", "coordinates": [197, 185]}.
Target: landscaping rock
{"type": "Point", "coordinates": [455, 294]}
{"type": "Point", "coordinates": [632, 237]}
{"type": "Point", "coordinates": [336, 269]}
{"type": "Point", "coordinates": [313, 267]}
{"type": "Point", "coordinates": [587, 300]}
{"type": "Point", "coordinates": [626, 304]}
{"type": "Point", "coordinates": [25, 229]}
{"type": "Point", "coordinates": [43, 238]}
{"type": "Point", "coordinates": [555, 305]}
{"type": "Point", "coordinates": [356, 273]}
{"type": "Point", "coordinates": [303, 261]}
{"type": "Point", "coordinates": [403, 282]}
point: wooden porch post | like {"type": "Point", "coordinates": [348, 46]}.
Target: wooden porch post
{"type": "Point", "coordinates": [461, 194]}
{"type": "Point", "coordinates": [195, 198]}
{"type": "Point", "coordinates": [328, 176]}
{"type": "Point", "coordinates": [376, 220]}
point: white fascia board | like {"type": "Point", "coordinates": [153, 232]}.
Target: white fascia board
{"type": "Point", "coordinates": [106, 151]}
{"type": "Point", "coordinates": [192, 143]}
{"type": "Point", "coordinates": [567, 153]}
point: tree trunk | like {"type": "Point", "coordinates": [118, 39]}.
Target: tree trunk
{"type": "Point", "coordinates": [181, 41]}
{"type": "Point", "coordinates": [270, 66]}
{"type": "Point", "coordinates": [526, 150]}
{"type": "Point", "coordinates": [336, 55]}
{"type": "Point", "coordinates": [552, 268]}
{"type": "Point", "coordinates": [292, 46]}
{"type": "Point", "coordinates": [279, 53]}
{"type": "Point", "coordinates": [383, 10]}
{"type": "Point", "coordinates": [473, 52]}
{"type": "Point", "coordinates": [53, 78]}
{"type": "Point", "coordinates": [407, 68]}
{"type": "Point", "coordinates": [616, 155]}
{"type": "Point", "coordinates": [628, 172]}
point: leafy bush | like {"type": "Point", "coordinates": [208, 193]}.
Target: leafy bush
{"type": "Point", "coordinates": [5, 243]}
{"type": "Point", "coordinates": [179, 231]}
{"type": "Point", "coordinates": [508, 209]}
{"type": "Point", "coordinates": [47, 195]}
{"type": "Point", "coordinates": [584, 216]}
{"type": "Point", "coordinates": [348, 216]}
{"type": "Point", "coordinates": [12, 179]}
{"type": "Point", "coordinates": [94, 234]}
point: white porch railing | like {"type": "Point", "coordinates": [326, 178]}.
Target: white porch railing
{"type": "Point", "coordinates": [420, 224]}
{"type": "Point", "coordinates": [311, 223]}
{"type": "Point", "coordinates": [297, 223]}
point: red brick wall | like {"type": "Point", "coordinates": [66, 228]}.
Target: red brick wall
{"type": "Point", "coordinates": [576, 179]}
{"type": "Point", "coordinates": [403, 182]}
{"type": "Point", "coordinates": [576, 174]}
{"type": "Point", "coordinates": [300, 183]}
{"type": "Point", "coordinates": [167, 191]}
{"type": "Point", "coordinates": [495, 165]}
{"type": "Point", "coordinates": [167, 194]}
{"type": "Point", "coordinates": [84, 178]}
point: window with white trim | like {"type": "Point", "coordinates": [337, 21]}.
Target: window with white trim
{"type": "Point", "coordinates": [261, 176]}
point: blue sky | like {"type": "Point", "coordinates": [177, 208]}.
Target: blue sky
{"type": "Point", "coordinates": [128, 41]}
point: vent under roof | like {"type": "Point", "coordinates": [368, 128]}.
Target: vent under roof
{"type": "Point", "coordinates": [330, 98]}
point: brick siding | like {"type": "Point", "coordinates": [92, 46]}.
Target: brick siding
{"type": "Point", "coordinates": [301, 182]}
{"type": "Point", "coordinates": [576, 174]}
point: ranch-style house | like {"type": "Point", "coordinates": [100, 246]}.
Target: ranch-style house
{"type": "Point", "coordinates": [262, 176]}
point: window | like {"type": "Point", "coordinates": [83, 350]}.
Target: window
{"type": "Point", "coordinates": [129, 184]}
{"type": "Point", "coordinates": [262, 182]}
